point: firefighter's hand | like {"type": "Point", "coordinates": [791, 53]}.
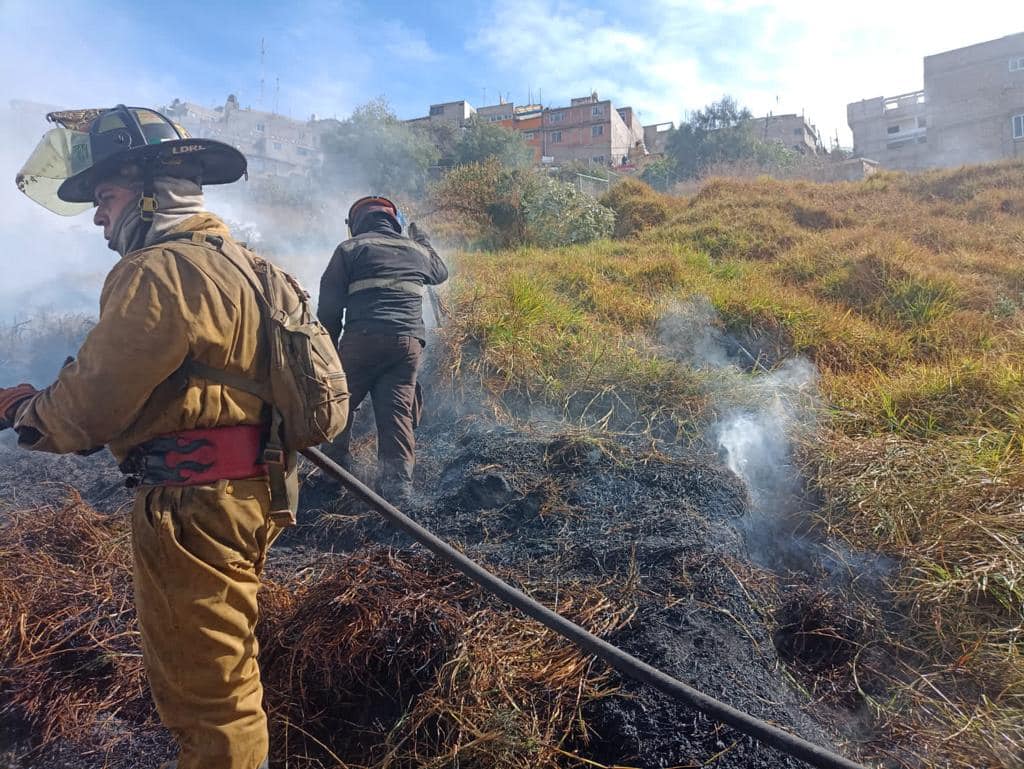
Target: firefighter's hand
{"type": "Point", "coordinates": [10, 399]}
{"type": "Point", "coordinates": [417, 234]}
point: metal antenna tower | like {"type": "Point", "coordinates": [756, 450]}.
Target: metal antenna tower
{"type": "Point", "coordinates": [263, 55]}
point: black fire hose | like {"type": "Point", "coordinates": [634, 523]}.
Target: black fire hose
{"type": "Point", "coordinates": [628, 665]}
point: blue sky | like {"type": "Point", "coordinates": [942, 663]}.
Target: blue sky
{"type": "Point", "coordinates": [663, 57]}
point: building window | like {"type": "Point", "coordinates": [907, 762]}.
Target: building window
{"type": "Point", "coordinates": [1018, 126]}
{"type": "Point", "coordinates": [599, 159]}
{"type": "Point", "coordinates": [277, 145]}
{"type": "Point", "coordinates": [556, 117]}
{"type": "Point", "coordinates": [528, 135]}
{"type": "Point", "coordinates": [259, 126]}
{"type": "Point", "coordinates": [302, 151]}
{"type": "Point", "coordinates": [1017, 64]}
{"type": "Point", "coordinates": [437, 109]}
{"type": "Point", "coordinates": [597, 130]}
{"type": "Point", "coordinates": [596, 111]}
{"type": "Point", "coordinates": [893, 129]}
{"type": "Point", "coordinates": [922, 122]}
{"type": "Point", "coordinates": [556, 137]}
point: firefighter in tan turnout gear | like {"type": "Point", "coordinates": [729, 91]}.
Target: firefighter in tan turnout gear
{"type": "Point", "coordinates": [163, 380]}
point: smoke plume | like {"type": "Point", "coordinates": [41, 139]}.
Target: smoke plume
{"type": "Point", "coordinates": [759, 411]}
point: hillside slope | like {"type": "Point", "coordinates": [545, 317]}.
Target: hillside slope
{"type": "Point", "coordinates": [907, 295]}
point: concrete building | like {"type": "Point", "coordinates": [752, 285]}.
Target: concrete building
{"type": "Point", "coordinates": [528, 120]}
{"type": "Point", "coordinates": [971, 110]}
{"type": "Point", "coordinates": [456, 113]}
{"type": "Point", "coordinates": [791, 131]}
{"type": "Point", "coordinates": [656, 137]}
{"type": "Point", "coordinates": [502, 114]}
{"type": "Point", "coordinates": [275, 145]}
{"type": "Point", "coordinates": [591, 131]}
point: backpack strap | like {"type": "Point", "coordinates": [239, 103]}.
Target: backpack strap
{"type": "Point", "coordinates": [274, 456]}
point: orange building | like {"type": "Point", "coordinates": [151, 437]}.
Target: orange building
{"type": "Point", "coordinates": [528, 120]}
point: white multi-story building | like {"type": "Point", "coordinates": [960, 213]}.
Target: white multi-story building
{"type": "Point", "coordinates": [971, 110]}
{"type": "Point", "coordinates": [275, 145]}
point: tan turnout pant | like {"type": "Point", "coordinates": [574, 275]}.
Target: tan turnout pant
{"type": "Point", "coordinates": [198, 554]}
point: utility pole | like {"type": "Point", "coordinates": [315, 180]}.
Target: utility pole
{"type": "Point", "coordinates": [263, 54]}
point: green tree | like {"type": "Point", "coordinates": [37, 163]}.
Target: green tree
{"type": "Point", "coordinates": [373, 150]}
{"type": "Point", "coordinates": [718, 133]}
{"type": "Point", "coordinates": [481, 141]}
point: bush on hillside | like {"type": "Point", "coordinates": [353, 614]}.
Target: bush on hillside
{"type": "Point", "coordinates": [660, 174]}
{"type": "Point", "coordinates": [487, 205]}
{"type": "Point", "coordinates": [480, 205]}
{"type": "Point", "coordinates": [557, 214]}
{"type": "Point", "coordinates": [637, 207]}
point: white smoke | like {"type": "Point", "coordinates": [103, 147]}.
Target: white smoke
{"type": "Point", "coordinates": [761, 407]}
{"type": "Point", "coordinates": [756, 440]}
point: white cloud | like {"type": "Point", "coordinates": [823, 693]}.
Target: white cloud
{"type": "Point", "coordinates": [678, 55]}
{"type": "Point", "coordinates": [406, 45]}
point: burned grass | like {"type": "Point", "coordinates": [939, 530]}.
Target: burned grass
{"type": "Point", "coordinates": [71, 663]}
{"type": "Point", "coordinates": [377, 659]}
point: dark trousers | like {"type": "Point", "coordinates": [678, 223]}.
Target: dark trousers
{"type": "Point", "coordinates": [384, 367]}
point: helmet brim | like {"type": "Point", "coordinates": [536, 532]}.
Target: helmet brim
{"type": "Point", "coordinates": [218, 163]}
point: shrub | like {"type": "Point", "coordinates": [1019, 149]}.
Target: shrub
{"type": "Point", "coordinates": [557, 214]}
{"type": "Point", "coordinates": [487, 205]}
{"type": "Point", "coordinates": [637, 207]}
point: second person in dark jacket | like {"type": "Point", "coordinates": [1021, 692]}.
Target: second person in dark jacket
{"type": "Point", "coordinates": [371, 296]}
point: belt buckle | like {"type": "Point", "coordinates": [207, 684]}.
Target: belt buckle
{"type": "Point", "coordinates": [273, 456]}
{"type": "Point", "coordinates": [283, 519]}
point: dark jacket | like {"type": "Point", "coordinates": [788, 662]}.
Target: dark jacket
{"type": "Point", "coordinates": [380, 254]}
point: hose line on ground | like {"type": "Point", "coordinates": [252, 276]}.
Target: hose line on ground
{"type": "Point", "coordinates": [625, 663]}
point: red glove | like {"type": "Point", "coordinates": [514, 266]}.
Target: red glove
{"type": "Point", "coordinates": [10, 399]}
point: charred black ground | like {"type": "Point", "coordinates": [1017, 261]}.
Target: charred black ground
{"type": "Point", "coordinates": [656, 528]}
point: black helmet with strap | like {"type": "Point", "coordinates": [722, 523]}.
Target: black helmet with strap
{"type": "Point", "coordinates": [129, 143]}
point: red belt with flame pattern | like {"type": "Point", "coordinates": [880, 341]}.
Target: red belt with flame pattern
{"type": "Point", "coordinates": [197, 457]}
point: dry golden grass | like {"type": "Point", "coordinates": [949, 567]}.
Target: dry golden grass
{"type": "Point", "coordinates": [955, 522]}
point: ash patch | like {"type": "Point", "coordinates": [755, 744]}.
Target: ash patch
{"type": "Point", "coordinates": [30, 479]}
{"type": "Point", "coordinates": [658, 531]}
